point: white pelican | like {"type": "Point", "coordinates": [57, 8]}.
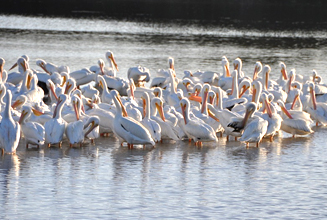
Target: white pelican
{"type": "Point", "coordinates": [255, 127]}
{"type": "Point", "coordinates": [150, 124]}
{"type": "Point", "coordinates": [9, 129]}
{"type": "Point", "coordinates": [234, 97]}
{"type": "Point", "coordinates": [110, 70]}
{"type": "Point", "coordinates": [139, 74]}
{"type": "Point", "coordinates": [74, 129]}
{"type": "Point", "coordinates": [55, 127]}
{"type": "Point", "coordinates": [237, 63]}
{"type": "Point", "coordinates": [224, 116]}
{"type": "Point", "coordinates": [16, 77]}
{"type": "Point", "coordinates": [203, 114]}
{"type": "Point", "coordinates": [318, 111]}
{"type": "Point", "coordinates": [106, 118]}
{"type": "Point", "coordinates": [273, 118]}
{"type": "Point", "coordinates": [292, 125]}
{"type": "Point", "coordinates": [105, 96]}
{"type": "Point", "coordinates": [49, 68]}
{"type": "Point", "coordinates": [225, 81]}
{"type": "Point", "coordinates": [83, 76]}
{"type": "Point", "coordinates": [112, 64]}
{"type": "Point", "coordinates": [172, 98]}
{"type": "Point", "coordinates": [21, 69]}
{"type": "Point", "coordinates": [128, 129]}
{"type": "Point", "coordinates": [167, 127]}
{"type": "Point", "coordinates": [283, 78]}
{"type": "Point", "coordinates": [89, 90]}
{"type": "Point", "coordinates": [91, 128]}
{"type": "Point", "coordinates": [198, 130]}
{"type": "Point", "coordinates": [257, 70]}
{"type": "Point", "coordinates": [34, 132]}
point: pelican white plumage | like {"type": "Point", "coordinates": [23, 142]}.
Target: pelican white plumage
{"type": "Point", "coordinates": [91, 128]}
{"type": "Point", "coordinates": [167, 127]}
{"type": "Point", "coordinates": [83, 76]}
{"type": "Point", "coordinates": [257, 70]}
{"type": "Point", "coordinates": [128, 129]}
{"type": "Point", "coordinates": [74, 129]}
{"type": "Point", "coordinates": [318, 111]}
{"type": "Point", "coordinates": [224, 116]}
{"type": "Point", "coordinates": [9, 129]}
{"type": "Point", "coordinates": [49, 68]}
{"type": "Point", "coordinates": [150, 124]}
{"type": "Point", "coordinates": [198, 130]}
{"type": "Point", "coordinates": [255, 127]}
{"type": "Point", "coordinates": [33, 132]}
{"type": "Point", "coordinates": [283, 78]}
{"type": "Point", "coordinates": [225, 81]}
{"type": "Point", "coordinates": [139, 74]}
{"type": "Point", "coordinates": [294, 124]}
{"type": "Point", "coordinates": [112, 69]}
{"type": "Point", "coordinates": [172, 98]}
{"type": "Point", "coordinates": [273, 118]}
{"type": "Point", "coordinates": [105, 96]}
{"type": "Point", "coordinates": [17, 77]}
{"type": "Point", "coordinates": [55, 127]}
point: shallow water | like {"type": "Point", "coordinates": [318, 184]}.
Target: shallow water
{"type": "Point", "coordinates": [284, 179]}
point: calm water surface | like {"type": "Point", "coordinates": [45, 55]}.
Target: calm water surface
{"type": "Point", "coordinates": [285, 179]}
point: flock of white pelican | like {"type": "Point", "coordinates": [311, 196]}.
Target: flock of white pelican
{"type": "Point", "coordinates": [51, 104]}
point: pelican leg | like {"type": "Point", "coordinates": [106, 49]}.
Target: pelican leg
{"type": "Point", "coordinates": [200, 144]}
{"type": "Point", "coordinates": [221, 134]}
{"type": "Point", "coordinates": [227, 138]}
{"type": "Point", "coordinates": [59, 144]}
{"type": "Point", "coordinates": [92, 141]}
{"type": "Point", "coordinates": [132, 145]}
{"type": "Point", "coordinates": [235, 138]}
{"type": "Point", "coordinates": [26, 146]}
{"type": "Point", "coordinates": [49, 145]}
{"type": "Point", "coordinates": [317, 123]}
{"type": "Point", "coordinates": [70, 145]}
{"type": "Point", "coordinates": [271, 138]}
{"type": "Point", "coordinates": [80, 144]}
{"type": "Point", "coordinates": [293, 136]}
{"type": "Point", "coordinates": [257, 144]}
{"type": "Point", "coordinates": [2, 151]}
{"type": "Point", "coordinates": [190, 140]}
{"type": "Point", "coordinates": [37, 146]}
{"type": "Point", "coordinates": [247, 145]}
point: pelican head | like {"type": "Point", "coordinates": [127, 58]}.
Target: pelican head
{"type": "Point", "coordinates": [257, 69]}
{"type": "Point", "coordinates": [41, 63]}
{"type": "Point", "coordinates": [237, 64]}
{"type": "Point", "coordinates": [101, 65]}
{"type": "Point", "coordinates": [110, 57]}
{"type": "Point", "coordinates": [171, 63]}
{"type": "Point", "coordinates": [20, 100]}
{"type": "Point", "coordinates": [282, 65]}
{"type": "Point", "coordinates": [225, 64]}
